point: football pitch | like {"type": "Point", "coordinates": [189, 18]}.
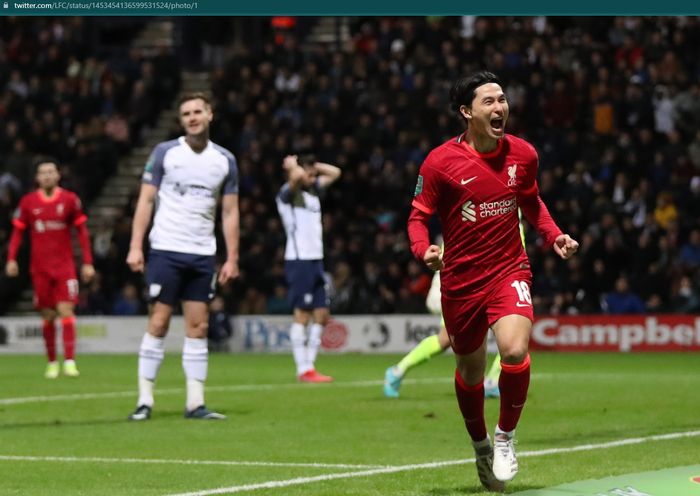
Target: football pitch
{"type": "Point", "coordinates": [588, 416]}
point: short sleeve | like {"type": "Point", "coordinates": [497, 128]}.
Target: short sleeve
{"type": "Point", "coordinates": [153, 172]}
{"type": "Point", "coordinates": [425, 196]}
{"type": "Point", "coordinates": [285, 194]}
{"type": "Point", "coordinates": [231, 181]}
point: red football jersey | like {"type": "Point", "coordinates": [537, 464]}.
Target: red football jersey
{"type": "Point", "coordinates": [476, 197]}
{"type": "Point", "coordinates": [50, 221]}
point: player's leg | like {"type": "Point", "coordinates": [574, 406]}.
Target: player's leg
{"type": "Point", "coordinates": [45, 303]}
{"type": "Point", "coordinates": [512, 335]}
{"type": "Point", "coordinates": [297, 338]}
{"type": "Point", "coordinates": [163, 282]}
{"type": "Point", "coordinates": [421, 353]}
{"type": "Point", "coordinates": [321, 316]}
{"type": "Point", "coordinates": [48, 330]}
{"type": "Point", "coordinates": [151, 355]}
{"type": "Point", "coordinates": [469, 388]}
{"type": "Point", "coordinates": [66, 313]}
{"type": "Point", "coordinates": [195, 359]}
{"type": "Point", "coordinates": [66, 296]}
{"type": "Point", "coordinates": [467, 325]}
{"type": "Point", "coordinates": [300, 281]}
{"type": "Point", "coordinates": [198, 289]}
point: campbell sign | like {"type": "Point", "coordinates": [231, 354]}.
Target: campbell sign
{"type": "Point", "coordinates": [617, 333]}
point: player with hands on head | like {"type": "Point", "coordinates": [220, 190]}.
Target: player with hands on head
{"type": "Point", "coordinates": [299, 206]}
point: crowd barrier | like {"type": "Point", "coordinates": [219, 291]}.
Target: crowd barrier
{"type": "Point", "coordinates": [373, 333]}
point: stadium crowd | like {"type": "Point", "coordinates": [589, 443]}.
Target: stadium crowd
{"type": "Point", "coordinates": [611, 103]}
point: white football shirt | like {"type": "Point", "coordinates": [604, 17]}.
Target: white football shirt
{"type": "Point", "coordinates": [189, 185]}
{"type": "Point", "coordinates": [301, 216]}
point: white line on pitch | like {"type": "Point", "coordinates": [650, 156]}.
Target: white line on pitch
{"type": "Point", "coordinates": [266, 387]}
{"type": "Point", "coordinates": [157, 461]}
{"type": "Point", "coordinates": [238, 387]}
{"type": "Point", "coordinates": [421, 466]}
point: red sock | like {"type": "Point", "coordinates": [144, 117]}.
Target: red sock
{"type": "Point", "coordinates": [48, 328]}
{"type": "Point", "coordinates": [471, 404]}
{"type": "Point", "coordinates": [513, 383]}
{"type": "Point", "coordinates": [68, 325]}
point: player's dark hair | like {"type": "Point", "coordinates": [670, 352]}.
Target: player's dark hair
{"type": "Point", "coordinates": [44, 159]}
{"type": "Point", "coordinates": [306, 159]}
{"type": "Point", "coordinates": [464, 90]}
{"type": "Point", "coordinates": [194, 96]}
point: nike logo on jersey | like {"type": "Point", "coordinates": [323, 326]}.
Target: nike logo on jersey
{"type": "Point", "coordinates": [521, 305]}
{"type": "Point", "coordinates": [467, 181]}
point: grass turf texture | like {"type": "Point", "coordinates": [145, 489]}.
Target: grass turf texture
{"type": "Point", "coordinates": [574, 399]}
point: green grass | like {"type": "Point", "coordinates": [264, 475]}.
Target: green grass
{"type": "Point", "coordinates": [574, 399]}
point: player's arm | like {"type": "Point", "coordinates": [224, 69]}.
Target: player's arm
{"type": "Point", "coordinates": [295, 172]}
{"type": "Point", "coordinates": [419, 236]}
{"type": "Point", "coordinates": [87, 270]}
{"type": "Point", "coordinates": [231, 226]}
{"type": "Point", "coordinates": [11, 267]}
{"type": "Point", "coordinates": [19, 225]}
{"type": "Point", "coordinates": [142, 218]}
{"type": "Point", "coordinates": [537, 214]}
{"type": "Point", "coordinates": [424, 200]}
{"type": "Point", "coordinates": [327, 174]}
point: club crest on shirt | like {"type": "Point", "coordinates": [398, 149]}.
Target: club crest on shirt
{"type": "Point", "coordinates": [419, 186]}
{"type": "Point", "coordinates": [59, 209]}
{"type": "Point", "coordinates": [512, 171]}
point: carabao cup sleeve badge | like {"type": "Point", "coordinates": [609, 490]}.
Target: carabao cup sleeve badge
{"type": "Point", "coordinates": [419, 186]}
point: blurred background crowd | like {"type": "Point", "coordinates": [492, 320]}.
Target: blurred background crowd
{"type": "Point", "coordinates": [612, 105]}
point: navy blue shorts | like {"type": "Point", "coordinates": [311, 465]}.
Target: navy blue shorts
{"type": "Point", "coordinates": [173, 277]}
{"type": "Point", "coordinates": [307, 285]}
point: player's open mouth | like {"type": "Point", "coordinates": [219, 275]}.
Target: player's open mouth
{"type": "Point", "coordinates": [497, 124]}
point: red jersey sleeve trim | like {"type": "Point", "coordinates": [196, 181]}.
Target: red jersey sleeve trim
{"type": "Point", "coordinates": [19, 224]}
{"type": "Point", "coordinates": [80, 220]}
{"type": "Point", "coordinates": [422, 207]}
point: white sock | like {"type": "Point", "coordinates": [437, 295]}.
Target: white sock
{"type": "Point", "coordinates": [195, 394]}
{"type": "Point", "coordinates": [151, 356]}
{"type": "Point", "coordinates": [313, 344]}
{"type": "Point", "coordinates": [145, 392]}
{"type": "Point", "coordinates": [510, 434]}
{"type": "Point", "coordinates": [482, 443]}
{"type": "Point", "coordinates": [195, 361]}
{"type": "Point", "coordinates": [298, 338]}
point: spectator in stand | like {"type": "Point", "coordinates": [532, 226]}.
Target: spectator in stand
{"type": "Point", "coordinates": [622, 300]}
{"type": "Point", "coordinates": [690, 252]}
{"type": "Point", "coordinates": [128, 301]}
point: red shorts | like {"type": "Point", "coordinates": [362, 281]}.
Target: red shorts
{"type": "Point", "coordinates": [468, 318]}
{"type": "Point", "coordinates": [50, 289]}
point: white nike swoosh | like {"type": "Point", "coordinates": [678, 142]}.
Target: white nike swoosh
{"type": "Point", "coordinates": [520, 305]}
{"type": "Point", "coordinates": [467, 181]}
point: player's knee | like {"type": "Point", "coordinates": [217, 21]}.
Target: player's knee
{"type": "Point", "coordinates": [322, 319]}
{"type": "Point", "coordinates": [514, 354]}
{"type": "Point", "coordinates": [198, 330]}
{"type": "Point", "coordinates": [158, 325]}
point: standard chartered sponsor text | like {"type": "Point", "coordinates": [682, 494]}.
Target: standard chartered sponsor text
{"type": "Point", "coordinates": [107, 5]}
{"type": "Point", "coordinates": [491, 209]}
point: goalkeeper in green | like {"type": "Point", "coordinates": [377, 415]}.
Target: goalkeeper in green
{"type": "Point", "coordinates": [431, 346]}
